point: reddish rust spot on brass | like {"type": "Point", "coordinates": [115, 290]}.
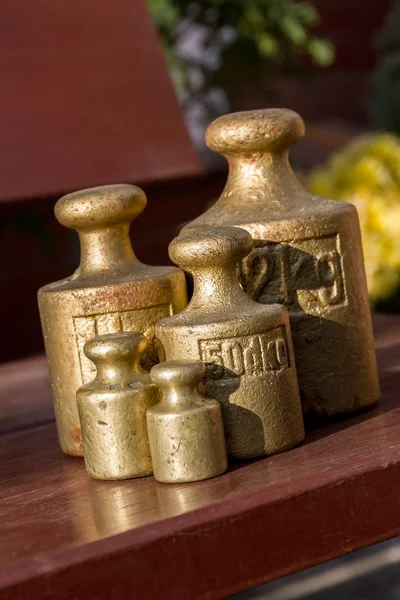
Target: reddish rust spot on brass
{"type": "Point", "coordinates": [76, 437]}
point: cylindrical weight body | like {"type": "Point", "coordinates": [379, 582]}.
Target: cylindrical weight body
{"type": "Point", "coordinates": [184, 445]}
{"type": "Point", "coordinates": [72, 313]}
{"type": "Point", "coordinates": [114, 432]}
{"type": "Point", "coordinates": [185, 429]}
{"type": "Point", "coordinates": [112, 408]}
{"type": "Point", "coordinates": [307, 255]}
{"type": "Point", "coordinates": [250, 371]}
{"type": "Point", "coordinates": [111, 291]}
{"type": "Point", "coordinates": [319, 275]}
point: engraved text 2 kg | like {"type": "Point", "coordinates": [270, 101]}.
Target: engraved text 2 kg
{"type": "Point", "coordinates": [306, 275]}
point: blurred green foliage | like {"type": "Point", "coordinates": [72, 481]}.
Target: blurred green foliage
{"type": "Point", "coordinates": [385, 98]}
{"type": "Point", "coordinates": [239, 31]}
{"type": "Point", "coordinates": [367, 174]}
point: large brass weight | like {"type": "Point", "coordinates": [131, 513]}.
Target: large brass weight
{"type": "Point", "coordinates": [307, 255]}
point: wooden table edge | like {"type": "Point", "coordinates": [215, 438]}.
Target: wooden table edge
{"type": "Point", "coordinates": [117, 561]}
{"type": "Point", "coordinates": [198, 555]}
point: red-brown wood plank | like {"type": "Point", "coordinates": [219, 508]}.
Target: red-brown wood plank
{"type": "Point", "coordinates": [25, 394]}
{"type": "Point", "coordinates": [86, 98]}
{"type": "Point", "coordinates": [68, 536]}
{"type": "Point", "coordinates": [30, 229]}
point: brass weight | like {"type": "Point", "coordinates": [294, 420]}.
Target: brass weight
{"type": "Point", "coordinates": [185, 429]}
{"type": "Point", "coordinates": [307, 256]}
{"type": "Point", "coordinates": [112, 408]}
{"type": "Point", "coordinates": [110, 291]}
{"type": "Point", "coordinates": [246, 346]}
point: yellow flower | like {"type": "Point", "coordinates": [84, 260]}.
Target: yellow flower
{"type": "Point", "coordinates": [367, 174]}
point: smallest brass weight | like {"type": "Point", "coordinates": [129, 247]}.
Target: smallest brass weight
{"type": "Point", "coordinates": [185, 429]}
{"type": "Point", "coordinates": [112, 408]}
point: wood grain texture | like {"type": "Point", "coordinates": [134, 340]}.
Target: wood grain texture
{"type": "Point", "coordinates": [86, 98]}
{"type": "Point", "coordinates": [68, 536]}
{"type": "Point", "coordinates": [25, 394]}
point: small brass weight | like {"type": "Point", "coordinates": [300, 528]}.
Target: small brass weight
{"type": "Point", "coordinates": [246, 346]}
{"type": "Point", "coordinates": [185, 429]}
{"type": "Point", "coordinates": [112, 408]}
{"type": "Point", "coordinates": [307, 256]}
{"type": "Point", "coordinates": [111, 291]}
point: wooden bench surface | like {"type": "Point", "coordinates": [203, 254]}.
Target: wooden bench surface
{"type": "Point", "coordinates": [64, 535]}
{"type": "Point", "coordinates": [86, 99]}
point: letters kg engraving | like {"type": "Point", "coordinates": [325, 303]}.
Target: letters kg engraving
{"type": "Point", "coordinates": [305, 275]}
{"type": "Point", "coordinates": [142, 320]}
{"type": "Point", "coordinates": [245, 356]}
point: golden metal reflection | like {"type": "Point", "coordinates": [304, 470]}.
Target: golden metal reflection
{"type": "Point", "coordinates": [178, 499]}
{"type": "Point", "coordinates": [111, 291]}
{"type": "Point", "coordinates": [112, 408]}
{"type": "Point", "coordinates": [307, 256]}
{"type": "Point", "coordinates": [185, 429]}
{"type": "Point", "coordinates": [245, 346]}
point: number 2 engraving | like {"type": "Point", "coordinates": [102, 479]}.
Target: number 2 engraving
{"type": "Point", "coordinates": [255, 271]}
{"type": "Point", "coordinates": [295, 274]}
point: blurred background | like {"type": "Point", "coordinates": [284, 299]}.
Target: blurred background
{"type": "Point", "coordinates": [98, 92]}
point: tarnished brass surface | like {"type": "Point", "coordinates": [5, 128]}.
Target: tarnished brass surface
{"type": "Point", "coordinates": [246, 346]}
{"type": "Point", "coordinates": [185, 429]}
{"type": "Point", "coordinates": [307, 255]}
{"type": "Point", "coordinates": [112, 408]}
{"type": "Point", "coordinates": [111, 291]}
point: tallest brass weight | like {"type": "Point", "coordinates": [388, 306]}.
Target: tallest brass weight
{"type": "Point", "coordinates": [307, 255]}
